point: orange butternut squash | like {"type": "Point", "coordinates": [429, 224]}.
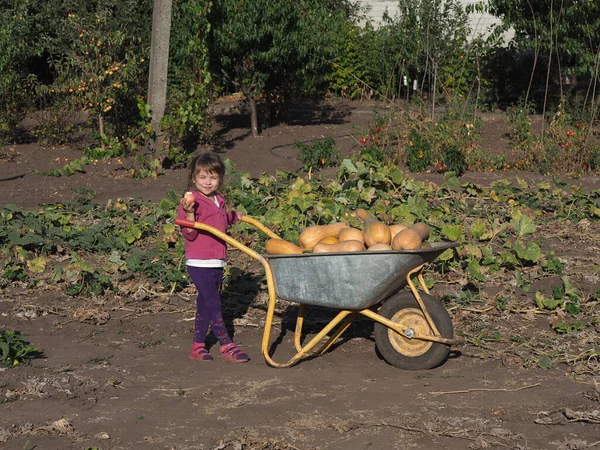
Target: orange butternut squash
{"type": "Point", "coordinates": [313, 234]}
{"type": "Point", "coordinates": [379, 246]}
{"type": "Point", "coordinates": [346, 246]}
{"type": "Point", "coordinates": [282, 247]}
{"type": "Point", "coordinates": [350, 234]}
{"type": "Point", "coordinates": [395, 229]}
{"type": "Point", "coordinates": [329, 240]}
{"type": "Point", "coordinates": [374, 231]}
{"type": "Point", "coordinates": [407, 239]}
{"type": "Point", "coordinates": [422, 229]}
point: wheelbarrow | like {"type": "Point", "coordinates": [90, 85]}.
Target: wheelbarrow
{"type": "Point", "coordinates": [413, 330]}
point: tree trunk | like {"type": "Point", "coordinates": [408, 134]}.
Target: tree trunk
{"type": "Point", "coordinates": [253, 116]}
{"type": "Point", "coordinates": [159, 66]}
{"type": "Point", "coordinates": [101, 129]}
{"type": "Point", "coordinates": [247, 91]}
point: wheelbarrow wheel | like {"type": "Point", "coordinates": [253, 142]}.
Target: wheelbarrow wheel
{"type": "Point", "coordinates": [413, 354]}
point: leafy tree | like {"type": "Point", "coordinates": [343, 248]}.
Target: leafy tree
{"type": "Point", "coordinates": [425, 42]}
{"type": "Point", "coordinates": [567, 31]}
{"type": "Point", "coordinates": [189, 76]}
{"type": "Point", "coordinates": [261, 45]}
{"type": "Point", "coordinates": [430, 36]}
{"type": "Point", "coordinates": [17, 26]}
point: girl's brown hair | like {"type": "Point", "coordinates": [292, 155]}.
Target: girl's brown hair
{"type": "Point", "coordinates": [212, 163]}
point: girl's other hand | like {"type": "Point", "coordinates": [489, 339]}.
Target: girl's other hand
{"type": "Point", "coordinates": [187, 202]}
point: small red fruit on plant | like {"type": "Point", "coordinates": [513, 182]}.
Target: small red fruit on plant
{"type": "Point", "coordinates": [363, 140]}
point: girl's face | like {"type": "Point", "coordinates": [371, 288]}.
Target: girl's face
{"type": "Point", "coordinates": [207, 183]}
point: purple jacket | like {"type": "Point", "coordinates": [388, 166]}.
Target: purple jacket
{"type": "Point", "coordinates": [201, 244]}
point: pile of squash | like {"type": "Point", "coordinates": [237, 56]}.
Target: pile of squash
{"type": "Point", "coordinates": [341, 237]}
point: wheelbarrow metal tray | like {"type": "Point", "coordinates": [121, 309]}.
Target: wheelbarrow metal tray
{"type": "Point", "coordinates": [347, 280]}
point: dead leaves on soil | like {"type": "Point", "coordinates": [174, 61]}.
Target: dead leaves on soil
{"type": "Point", "coordinates": [567, 415]}
{"type": "Point", "coordinates": [60, 427]}
{"type": "Point", "coordinates": [252, 441]}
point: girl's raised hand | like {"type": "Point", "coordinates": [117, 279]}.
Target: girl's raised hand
{"type": "Point", "coordinates": [188, 201]}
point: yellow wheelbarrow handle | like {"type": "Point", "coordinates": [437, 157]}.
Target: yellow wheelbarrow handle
{"type": "Point", "coordinates": [260, 226]}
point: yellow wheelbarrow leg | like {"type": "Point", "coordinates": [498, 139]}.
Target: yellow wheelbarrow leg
{"type": "Point", "coordinates": [303, 351]}
{"type": "Point", "coordinates": [343, 327]}
{"type": "Point", "coordinates": [299, 326]}
{"type": "Point", "coordinates": [419, 299]}
{"type": "Point", "coordinates": [422, 283]}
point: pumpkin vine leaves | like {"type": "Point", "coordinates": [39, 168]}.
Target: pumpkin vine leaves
{"type": "Point", "coordinates": [86, 248]}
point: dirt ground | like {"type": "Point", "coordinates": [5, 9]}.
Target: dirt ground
{"type": "Point", "coordinates": [122, 379]}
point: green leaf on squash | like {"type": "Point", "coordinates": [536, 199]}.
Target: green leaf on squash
{"type": "Point", "coordinates": [452, 232]}
{"type": "Point", "coordinates": [570, 289]}
{"type": "Point", "coordinates": [508, 259]}
{"type": "Point", "coordinates": [451, 180]}
{"type": "Point", "coordinates": [402, 214]}
{"type": "Point", "coordinates": [522, 183]}
{"type": "Point", "coordinates": [275, 216]}
{"type": "Point", "coordinates": [115, 258]}
{"type": "Point", "coordinates": [545, 362]}
{"type": "Point", "coordinates": [368, 195]}
{"type": "Point", "coordinates": [473, 251]}
{"type": "Point", "coordinates": [572, 308]}
{"type": "Point", "coordinates": [347, 166]}
{"type": "Point", "coordinates": [446, 255]}
{"type": "Point", "coordinates": [303, 203]}
{"type": "Point", "coordinates": [477, 230]}
{"type": "Point", "coordinates": [396, 176]}
{"type": "Point", "coordinates": [523, 224]}
{"type": "Point", "coordinates": [547, 303]}
{"type": "Point", "coordinates": [474, 270]}
{"type": "Point", "coordinates": [166, 205]}
{"type": "Point", "coordinates": [531, 253]}
{"type": "Point", "coordinates": [37, 265]}
{"type": "Point", "coordinates": [132, 235]}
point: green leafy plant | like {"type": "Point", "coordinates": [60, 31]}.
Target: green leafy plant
{"type": "Point", "coordinates": [569, 327]}
{"type": "Point", "coordinates": [455, 160]}
{"type": "Point", "coordinates": [418, 152]}
{"type": "Point", "coordinates": [320, 154]}
{"type": "Point", "coordinates": [15, 349]}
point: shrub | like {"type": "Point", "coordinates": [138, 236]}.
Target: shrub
{"type": "Point", "coordinates": [322, 153]}
{"type": "Point", "coordinates": [418, 152]}
{"type": "Point", "coordinates": [14, 349]}
{"type": "Point", "coordinates": [454, 160]}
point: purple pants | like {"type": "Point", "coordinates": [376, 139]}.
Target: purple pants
{"type": "Point", "coordinates": [208, 304]}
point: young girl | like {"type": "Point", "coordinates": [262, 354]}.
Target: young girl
{"type": "Point", "coordinates": [206, 254]}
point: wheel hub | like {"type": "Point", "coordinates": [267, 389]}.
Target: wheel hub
{"type": "Point", "coordinates": [415, 323]}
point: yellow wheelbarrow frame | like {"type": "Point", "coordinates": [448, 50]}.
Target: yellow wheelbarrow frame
{"type": "Point", "coordinates": [342, 320]}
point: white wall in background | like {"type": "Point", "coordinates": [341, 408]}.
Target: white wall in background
{"type": "Point", "coordinates": [480, 22]}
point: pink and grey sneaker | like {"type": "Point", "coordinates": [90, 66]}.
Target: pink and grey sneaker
{"type": "Point", "coordinates": [199, 352]}
{"type": "Point", "coordinates": [232, 353]}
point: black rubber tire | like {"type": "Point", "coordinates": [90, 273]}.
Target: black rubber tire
{"type": "Point", "coordinates": [426, 356]}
